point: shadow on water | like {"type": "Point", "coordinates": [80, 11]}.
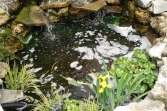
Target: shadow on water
{"type": "Point", "coordinates": [76, 47]}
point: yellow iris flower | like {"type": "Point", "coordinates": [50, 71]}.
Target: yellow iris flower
{"type": "Point", "coordinates": [103, 83]}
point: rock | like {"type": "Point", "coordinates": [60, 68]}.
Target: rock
{"type": "Point", "coordinates": [92, 7]}
{"type": "Point", "coordinates": [142, 16]}
{"type": "Point", "coordinates": [80, 2]}
{"type": "Point", "coordinates": [113, 9]}
{"type": "Point", "coordinates": [131, 8]}
{"type": "Point", "coordinates": [144, 105]}
{"type": "Point", "coordinates": [143, 29]}
{"type": "Point", "coordinates": [63, 12]}
{"type": "Point", "coordinates": [160, 91]}
{"type": "Point", "coordinates": [157, 49]}
{"type": "Point", "coordinates": [10, 6]}
{"type": "Point", "coordinates": [159, 6]}
{"type": "Point", "coordinates": [113, 1]}
{"type": "Point", "coordinates": [10, 95]}
{"type": "Point", "coordinates": [32, 16]}
{"type": "Point", "coordinates": [3, 70]}
{"type": "Point", "coordinates": [4, 17]}
{"type": "Point", "coordinates": [14, 45]}
{"type": "Point", "coordinates": [158, 23]}
{"type": "Point", "coordinates": [159, 63]}
{"type": "Point", "coordinates": [164, 52]}
{"type": "Point", "coordinates": [55, 4]}
{"type": "Point", "coordinates": [143, 3]}
{"type": "Point", "coordinates": [164, 59]}
{"type": "Point", "coordinates": [19, 30]}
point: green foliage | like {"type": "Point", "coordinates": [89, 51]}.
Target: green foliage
{"type": "Point", "coordinates": [78, 105]}
{"type": "Point", "coordinates": [6, 54]}
{"type": "Point", "coordinates": [5, 37]}
{"type": "Point", "coordinates": [129, 77]}
{"type": "Point", "coordinates": [19, 80]}
{"type": "Point", "coordinates": [141, 64]}
{"type": "Point", "coordinates": [50, 103]}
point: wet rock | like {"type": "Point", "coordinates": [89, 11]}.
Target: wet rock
{"type": "Point", "coordinates": [144, 105]}
{"type": "Point", "coordinates": [113, 9]}
{"type": "Point", "coordinates": [63, 12]}
{"type": "Point", "coordinates": [158, 6]}
{"type": "Point", "coordinates": [80, 2]}
{"type": "Point", "coordinates": [143, 29]}
{"type": "Point", "coordinates": [131, 8]}
{"type": "Point", "coordinates": [10, 95]}
{"type": "Point", "coordinates": [55, 4]}
{"type": "Point", "coordinates": [159, 24]}
{"type": "Point", "coordinates": [143, 3]}
{"type": "Point", "coordinates": [32, 16]}
{"type": "Point", "coordinates": [142, 16]}
{"type": "Point", "coordinates": [14, 45]}
{"type": "Point", "coordinates": [113, 1]}
{"type": "Point", "coordinates": [4, 17]}
{"type": "Point", "coordinates": [92, 7]}
{"type": "Point", "coordinates": [19, 30]}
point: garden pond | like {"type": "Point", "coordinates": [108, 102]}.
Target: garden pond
{"type": "Point", "coordinates": [75, 48]}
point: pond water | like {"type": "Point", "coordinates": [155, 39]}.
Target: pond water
{"type": "Point", "coordinates": [74, 48]}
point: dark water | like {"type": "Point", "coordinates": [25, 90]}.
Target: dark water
{"type": "Point", "coordinates": [74, 48]}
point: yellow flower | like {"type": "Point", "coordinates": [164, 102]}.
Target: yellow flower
{"type": "Point", "coordinates": [103, 83]}
{"type": "Point", "coordinates": [101, 90]}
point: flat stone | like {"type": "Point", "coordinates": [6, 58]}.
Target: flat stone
{"type": "Point", "coordinates": [10, 95]}
{"type": "Point", "coordinates": [93, 6]}
{"type": "Point", "coordinates": [159, 62]}
{"type": "Point", "coordinates": [113, 9]}
{"type": "Point", "coordinates": [113, 1]}
{"type": "Point", "coordinates": [55, 4]}
{"type": "Point", "coordinates": [32, 16]}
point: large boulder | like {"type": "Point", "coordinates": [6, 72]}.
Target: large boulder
{"type": "Point", "coordinates": [32, 16]}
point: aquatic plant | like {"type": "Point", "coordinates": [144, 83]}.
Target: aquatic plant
{"type": "Point", "coordinates": [80, 105]}
{"type": "Point", "coordinates": [140, 64]}
{"type": "Point", "coordinates": [52, 102]}
{"type": "Point", "coordinates": [20, 79]}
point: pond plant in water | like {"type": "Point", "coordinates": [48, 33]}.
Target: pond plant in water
{"type": "Point", "coordinates": [20, 79]}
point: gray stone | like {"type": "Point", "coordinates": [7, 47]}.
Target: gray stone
{"type": "Point", "coordinates": [159, 6]}
{"type": "Point", "coordinates": [159, 62]}
{"type": "Point", "coordinates": [143, 3]}
{"type": "Point", "coordinates": [144, 105]}
{"type": "Point", "coordinates": [156, 50]}
{"type": "Point", "coordinates": [10, 95]}
{"type": "Point", "coordinates": [164, 59]}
